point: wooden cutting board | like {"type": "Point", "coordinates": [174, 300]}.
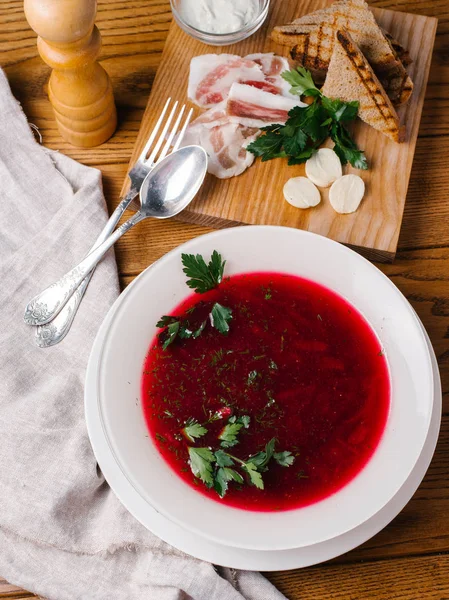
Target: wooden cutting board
{"type": "Point", "coordinates": [255, 197]}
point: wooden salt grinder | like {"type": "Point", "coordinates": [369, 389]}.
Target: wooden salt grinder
{"type": "Point", "coordinates": [79, 88]}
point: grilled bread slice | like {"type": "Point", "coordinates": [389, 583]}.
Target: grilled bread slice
{"type": "Point", "coordinates": [350, 77]}
{"type": "Point", "coordinates": [313, 38]}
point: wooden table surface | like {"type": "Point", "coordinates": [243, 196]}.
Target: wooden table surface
{"type": "Point", "coordinates": [409, 560]}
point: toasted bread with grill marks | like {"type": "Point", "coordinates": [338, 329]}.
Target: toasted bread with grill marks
{"type": "Point", "coordinates": [350, 77]}
{"type": "Point", "coordinates": [313, 36]}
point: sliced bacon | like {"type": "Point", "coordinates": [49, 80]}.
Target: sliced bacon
{"type": "Point", "coordinates": [245, 110]}
{"type": "Point", "coordinates": [255, 107]}
{"type": "Point", "coordinates": [265, 85]}
{"type": "Point", "coordinates": [270, 63]}
{"type": "Point", "coordinates": [243, 94]}
{"type": "Point", "coordinates": [272, 67]}
{"type": "Point", "coordinates": [225, 145]}
{"type": "Point", "coordinates": [212, 117]}
{"type": "Point", "coordinates": [211, 76]}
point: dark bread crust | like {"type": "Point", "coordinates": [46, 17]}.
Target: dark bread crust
{"type": "Point", "coordinates": [398, 50]}
{"type": "Point", "coordinates": [360, 84]}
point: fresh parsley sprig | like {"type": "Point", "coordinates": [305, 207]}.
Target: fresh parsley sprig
{"type": "Point", "coordinates": [219, 317]}
{"type": "Point", "coordinates": [202, 277]}
{"type": "Point", "coordinates": [307, 127]}
{"type": "Point", "coordinates": [217, 469]}
{"type": "Point", "coordinates": [177, 327]}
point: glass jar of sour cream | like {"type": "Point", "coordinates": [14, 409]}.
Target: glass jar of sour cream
{"type": "Point", "coordinates": [220, 22]}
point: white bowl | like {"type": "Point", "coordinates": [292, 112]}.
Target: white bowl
{"type": "Point", "coordinates": [220, 39]}
{"type": "Point", "coordinates": [299, 253]}
{"type": "Point", "coordinates": [226, 556]}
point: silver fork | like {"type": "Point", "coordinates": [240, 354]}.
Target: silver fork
{"type": "Point", "coordinates": [54, 315]}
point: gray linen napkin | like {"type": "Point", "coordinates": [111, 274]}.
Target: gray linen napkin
{"type": "Point", "coordinates": [63, 533]}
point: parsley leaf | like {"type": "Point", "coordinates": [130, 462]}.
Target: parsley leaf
{"type": "Point", "coordinates": [285, 459]}
{"type": "Point", "coordinates": [185, 332]}
{"type": "Point", "coordinates": [193, 430]}
{"type": "Point", "coordinates": [346, 149]}
{"type": "Point", "coordinates": [267, 146]}
{"type": "Point", "coordinates": [296, 143]}
{"type": "Point", "coordinates": [199, 331]}
{"type": "Point", "coordinates": [229, 433]}
{"type": "Point", "coordinates": [223, 476]}
{"type": "Point", "coordinates": [301, 81]}
{"type": "Point", "coordinates": [254, 475]}
{"type": "Point", "coordinates": [220, 316]}
{"type": "Point", "coordinates": [172, 324]}
{"type": "Point", "coordinates": [261, 459]}
{"type": "Point", "coordinates": [165, 320]}
{"type": "Point", "coordinates": [176, 327]}
{"type": "Point", "coordinates": [234, 475]}
{"type": "Point", "coordinates": [172, 329]}
{"type": "Point", "coordinates": [302, 156]}
{"type": "Point", "coordinates": [258, 460]}
{"type": "Point", "coordinates": [340, 111]}
{"type": "Point", "coordinates": [202, 277]}
{"type": "Point", "coordinates": [310, 119]}
{"type": "Point", "coordinates": [201, 462]}
{"type": "Point", "coordinates": [223, 459]}
{"type": "Point", "coordinates": [244, 420]}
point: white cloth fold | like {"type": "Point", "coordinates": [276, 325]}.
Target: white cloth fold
{"type": "Point", "coordinates": [63, 533]}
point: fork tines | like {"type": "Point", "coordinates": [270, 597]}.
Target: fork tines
{"type": "Point", "coordinates": [173, 137]}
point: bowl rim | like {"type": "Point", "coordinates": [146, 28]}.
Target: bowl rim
{"type": "Point", "coordinates": [270, 545]}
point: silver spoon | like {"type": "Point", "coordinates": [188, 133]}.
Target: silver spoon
{"type": "Point", "coordinates": [166, 191]}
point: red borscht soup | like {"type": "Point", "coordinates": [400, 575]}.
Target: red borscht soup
{"type": "Point", "coordinates": [299, 367]}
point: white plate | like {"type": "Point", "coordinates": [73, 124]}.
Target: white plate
{"type": "Point", "coordinates": [300, 253]}
{"type": "Point", "coordinates": [236, 557]}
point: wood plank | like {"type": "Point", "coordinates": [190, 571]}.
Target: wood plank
{"type": "Point", "coordinates": [405, 579]}
{"type": "Point", "coordinates": [255, 197]}
{"type": "Point", "coordinates": [10, 592]}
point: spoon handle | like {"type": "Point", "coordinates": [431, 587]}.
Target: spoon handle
{"type": "Point", "coordinates": [54, 332]}
{"type": "Point", "coordinates": [46, 305]}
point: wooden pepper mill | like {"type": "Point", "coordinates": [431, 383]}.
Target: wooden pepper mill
{"type": "Point", "coordinates": [79, 88]}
